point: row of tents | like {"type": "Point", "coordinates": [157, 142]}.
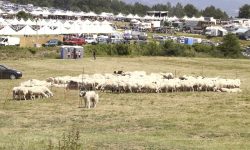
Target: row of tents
{"type": "Point", "coordinates": [47, 13]}
{"type": "Point", "coordinates": [47, 27]}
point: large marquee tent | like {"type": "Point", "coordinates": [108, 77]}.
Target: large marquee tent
{"type": "Point", "coordinates": [47, 27]}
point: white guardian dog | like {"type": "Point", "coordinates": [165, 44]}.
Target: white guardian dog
{"type": "Point", "coordinates": [91, 98]}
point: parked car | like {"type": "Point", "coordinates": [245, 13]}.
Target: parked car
{"type": "Point", "coordinates": [140, 42]}
{"type": "Point", "coordinates": [53, 42]}
{"type": "Point", "coordinates": [143, 36]}
{"type": "Point", "coordinates": [7, 73]}
{"type": "Point", "coordinates": [102, 40]}
{"type": "Point", "coordinates": [74, 41]}
{"type": "Point", "coordinates": [116, 41]}
{"type": "Point", "coordinates": [128, 36]}
{"type": "Point", "coordinates": [90, 40]}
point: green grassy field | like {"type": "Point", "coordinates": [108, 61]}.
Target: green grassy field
{"type": "Point", "coordinates": [128, 121]}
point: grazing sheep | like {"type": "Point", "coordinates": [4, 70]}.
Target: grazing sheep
{"type": "Point", "coordinates": [37, 92]}
{"type": "Point", "coordinates": [141, 82]}
{"type": "Point", "coordinates": [235, 90]}
{"type": "Point", "coordinates": [20, 93]}
{"type": "Point", "coordinates": [91, 98]}
{"type": "Point", "coordinates": [25, 93]}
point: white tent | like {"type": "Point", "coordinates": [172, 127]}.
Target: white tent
{"type": "Point", "coordinates": [120, 15]}
{"type": "Point", "coordinates": [46, 13]}
{"type": "Point", "coordinates": [147, 17]}
{"type": "Point", "coordinates": [7, 30]}
{"type": "Point", "coordinates": [22, 22]}
{"type": "Point", "coordinates": [12, 12]}
{"type": "Point", "coordinates": [59, 13]}
{"type": "Point", "coordinates": [29, 22]}
{"type": "Point", "coordinates": [13, 21]}
{"type": "Point", "coordinates": [185, 18]}
{"type": "Point", "coordinates": [27, 30]}
{"type": "Point", "coordinates": [130, 16]}
{"type": "Point", "coordinates": [3, 22]}
{"type": "Point", "coordinates": [137, 17]}
{"type": "Point", "coordinates": [29, 27]}
{"type": "Point", "coordinates": [2, 12]}
{"type": "Point", "coordinates": [87, 22]}
{"type": "Point", "coordinates": [201, 18]}
{"type": "Point", "coordinates": [90, 14]}
{"type": "Point", "coordinates": [79, 14]}
{"type": "Point", "coordinates": [103, 14]}
{"type": "Point", "coordinates": [96, 22]}
{"type": "Point", "coordinates": [69, 13]}
{"type": "Point", "coordinates": [36, 13]}
{"type": "Point", "coordinates": [105, 22]}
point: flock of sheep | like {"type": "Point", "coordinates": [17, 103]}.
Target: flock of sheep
{"type": "Point", "coordinates": [126, 82]}
{"type": "Point", "coordinates": [141, 82]}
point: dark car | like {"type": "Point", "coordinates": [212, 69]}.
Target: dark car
{"type": "Point", "coordinates": [53, 42]}
{"type": "Point", "coordinates": [7, 73]}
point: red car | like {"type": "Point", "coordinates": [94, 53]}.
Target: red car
{"type": "Point", "coordinates": [74, 41]}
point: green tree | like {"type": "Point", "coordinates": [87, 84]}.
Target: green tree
{"type": "Point", "coordinates": [230, 46]}
{"type": "Point", "coordinates": [211, 11]}
{"type": "Point", "coordinates": [24, 15]}
{"type": "Point", "coordinates": [190, 10]}
{"type": "Point", "coordinates": [178, 10]}
{"type": "Point", "coordinates": [244, 11]}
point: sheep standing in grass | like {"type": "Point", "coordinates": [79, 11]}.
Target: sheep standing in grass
{"type": "Point", "coordinates": [91, 98]}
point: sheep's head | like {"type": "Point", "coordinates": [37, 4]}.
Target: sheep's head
{"type": "Point", "coordinates": [82, 93]}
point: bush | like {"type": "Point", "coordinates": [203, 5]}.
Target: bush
{"type": "Point", "coordinates": [152, 49]}
{"type": "Point", "coordinates": [32, 50]}
{"type": "Point", "coordinates": [201, 48]}
{"type": "Point", "coordinates": [122, 49]}
{"type": "Point", "coordinates": [230, 47]}
{"type": "Point", "coordinates": [69, 141]}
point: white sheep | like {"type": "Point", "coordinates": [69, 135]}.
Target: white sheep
{"type": "Point", "coordinates": [37, 92]}
{"type": "Point", "coordinates": [91, 98]}
{"type": "Point", "coordinates": [234, 90]}
{"type": "Point", "coordinates": [20, 93]}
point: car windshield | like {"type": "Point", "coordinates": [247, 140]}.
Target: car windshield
{"type": "Point", "coordinates": [3, 67]}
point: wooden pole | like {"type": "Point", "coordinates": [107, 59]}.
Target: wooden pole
{"type": "Point", "coordinates": [202, 71]}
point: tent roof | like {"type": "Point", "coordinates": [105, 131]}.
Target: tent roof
{"type": "Point", "coordinates": [130, 16]}
{"type": "Point", "coordinates": [120, 15]}
{"type": "Point", "coordinates": [91, 14]}
{"type": "Point", "coordinates": [7, 30]}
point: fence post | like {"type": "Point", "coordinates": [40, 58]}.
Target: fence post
{"type": "Point", "coordinates": [202, 71]}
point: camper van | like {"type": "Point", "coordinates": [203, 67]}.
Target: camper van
{"type": "Point", "coordinates": [9, 41]}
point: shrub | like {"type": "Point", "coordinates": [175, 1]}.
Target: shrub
{"type": "Point", "coordinates": [122, 49]}
{"type": "Point", "coordinates": [201, 48]}
{"type": "Point", "coordinates": [32, 50]}
{"type": "Point", "coordinates": [152, 49]}
{"type": "Point", "coordinates": [69, 141]}
{"type": "Point", "coordinates": [230, 46]}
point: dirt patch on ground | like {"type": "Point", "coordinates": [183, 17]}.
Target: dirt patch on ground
{"type": "Point", "coordinates": [30, 41]}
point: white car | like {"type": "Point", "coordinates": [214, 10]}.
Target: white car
{"type": "Point", "coordinates": [90, 40]}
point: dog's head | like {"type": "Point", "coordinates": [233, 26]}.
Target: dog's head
{"type": "Point", "coordinates": [82, 93]}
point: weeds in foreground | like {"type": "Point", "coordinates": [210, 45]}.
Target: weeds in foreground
{"type": "Point", "coordinates": [69, 141]}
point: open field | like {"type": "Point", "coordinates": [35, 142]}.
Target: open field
{"type": "Point", "coordinates": [129, 121]}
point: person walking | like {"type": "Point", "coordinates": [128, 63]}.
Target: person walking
{"type": "Point", "coordinates": [94, 55]}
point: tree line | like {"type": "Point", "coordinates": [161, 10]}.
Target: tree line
{"type": "Point", "coordinates": [118, 6]}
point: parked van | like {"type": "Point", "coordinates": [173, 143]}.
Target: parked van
{"type": "Point", "coordinates": [8, 40]}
